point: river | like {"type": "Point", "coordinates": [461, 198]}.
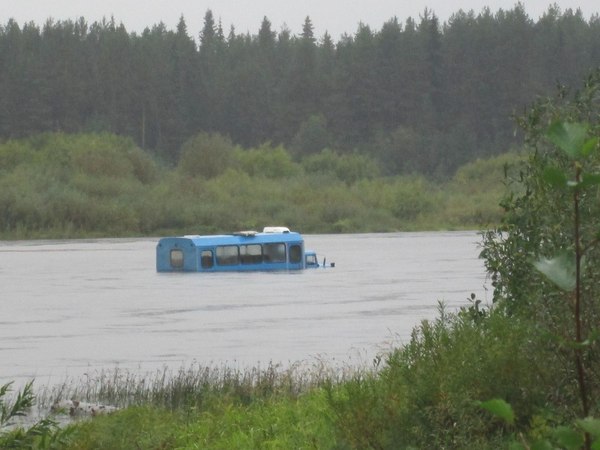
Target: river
{"type": "Point", "coordinates": [72, 307]}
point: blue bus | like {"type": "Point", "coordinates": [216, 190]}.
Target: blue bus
{"type": "Point", "coordinates": [275, 248]}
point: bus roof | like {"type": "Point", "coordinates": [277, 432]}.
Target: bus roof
{"type": "Point", "coordinates": [241, 238]}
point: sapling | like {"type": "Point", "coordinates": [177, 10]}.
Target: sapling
{"type": "Point", "coordinates": [565, 269]}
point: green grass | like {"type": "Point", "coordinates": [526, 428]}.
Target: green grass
{"type": "Point", "coordinates": [207, 407]}
{"type": "Point", "coordinates": [277, 423]}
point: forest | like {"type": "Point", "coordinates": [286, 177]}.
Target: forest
{"type": "Point", "coordinates": [417, 96]}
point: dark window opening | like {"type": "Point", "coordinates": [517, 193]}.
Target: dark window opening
{"type": "Point", "coordinates": [251, 254]}
{"type": "Point", "coordinates": [228, 255]}
{"type": "Point", "coordinates": [274, 253]}
{"type": "Point", "coordinates": [295, 254]}
{"type": "Point", "coordinates": [206, 259]}
{"type": "Point", "coordinates": [311, 260]}
{"type": "Point", "coordinates": [176, 259]}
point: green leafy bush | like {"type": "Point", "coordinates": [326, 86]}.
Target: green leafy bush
{"type": "Point", "coordinates": [424, 395]}
{"type": "Point", "coordinates": [206, 155]}
{"type": "Point", "coordinates": [346, 167]}
{"type": "Point", "coordinates": [58, 185]}
{"type": "Point", "coordinates": [266, 161]}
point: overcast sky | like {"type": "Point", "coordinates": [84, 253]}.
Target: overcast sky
{"type": "Point", "coordinates": [335, 16]}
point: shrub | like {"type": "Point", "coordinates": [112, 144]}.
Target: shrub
{"type": "Point", "coordinates": [266, 161]}
{"type": "Point", "coordinates": [408, 197]}
{"type": "Point", "coordinates": [424, 395]}
{"type": "Point", "coordinates": [206, 155]}
{"type": "Point", "coordinates": [552, 226]}
{"type": "Point", "coordinates": [349, 168]}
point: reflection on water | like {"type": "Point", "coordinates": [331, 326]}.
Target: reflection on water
{"type": "Point", "coordinates": [69, 307]}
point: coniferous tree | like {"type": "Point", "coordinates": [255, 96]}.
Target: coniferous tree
{"type": "Point", "coordinates": [354, 107]}
{"type": "Point", "coordinates": [299, 95]}
{"type": "Point", "coordinates": [185, 72]}
{"type": "Point", "coordinates": [210, 51]}
{"type": "Point", "coordinates": [431, 69]}
{"type": "Point", "coordinates": [22, 110]}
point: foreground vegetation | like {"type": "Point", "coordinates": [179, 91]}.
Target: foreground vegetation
{"type": "Point", "coordinates": [61, 186]}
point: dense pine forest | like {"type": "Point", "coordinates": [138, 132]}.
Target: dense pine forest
{"type": "Point", "coordinates": [417, 96]}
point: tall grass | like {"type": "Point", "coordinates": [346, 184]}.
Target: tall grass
{"type": "Point", "coordinates": [195, 385]}
{"type": "Point", "coordinates": [206, 407]}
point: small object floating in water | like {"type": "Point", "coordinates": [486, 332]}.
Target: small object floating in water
{"type": "Point", "coordinates": [75, 408]}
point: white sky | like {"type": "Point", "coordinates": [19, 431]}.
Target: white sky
{"type": "Point", "coordinates": [335, 16]}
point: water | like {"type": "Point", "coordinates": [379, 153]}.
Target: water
{"type": "Point", "coordinates": [72, 307]}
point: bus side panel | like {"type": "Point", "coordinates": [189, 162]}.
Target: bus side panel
{"type": "Point", "coordinates": [295, 259]}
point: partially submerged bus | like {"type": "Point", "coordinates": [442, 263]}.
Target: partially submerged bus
{"type": "Point", "coordinates": [275, 248]}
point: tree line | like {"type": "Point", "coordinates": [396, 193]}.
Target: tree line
{"type": "Point", "coordinates": [58, 185]}
{"type": "Point", "coordinates": [418, 96]}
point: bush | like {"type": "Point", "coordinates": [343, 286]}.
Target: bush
{"type": "Point", "coordinates": [425, 394]}
{"type": "Point", "coordinates": [408, 198]}
{"type": "Point", "coordinates": [206, 155]}
{"type": "Point", "coordinates": [544, 260]}
{"type": "Point", "coordinates": [266, 161]}
{"type": "Point", "coordinates": [348, 168]}
{"type": "Point", "coordinates": [57, 185]}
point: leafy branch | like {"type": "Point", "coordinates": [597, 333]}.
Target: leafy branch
{"type": "Point", "coordinates": [564, 269]}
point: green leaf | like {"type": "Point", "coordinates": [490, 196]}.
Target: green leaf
{"type": "Point", "coordinates": [555, 177]}
{"type": "Point", "coordinates": [589, 146]}
{"type": "Point", "coordinates": [560, 270]}
{"type": "Point", "coordinates": [499, 408]}
{"type": "Point", "coordinates": [590, 425]}
{"type": "Point", "coordinates": [568, 438]}
{"type": "Point", "coordinates": [569, 137]}
{"type": "Point", "coordinates": [542, 444]}
{"type": "Point", "coordinates": [590, 179]}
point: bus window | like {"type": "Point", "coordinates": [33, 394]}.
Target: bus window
{"type": "Point", "coordinates": [206, 259]}
{"type": "Point", "coordinates": [228, 255]}
{"type": "Point", "coordinates": [251, 254]}
{"type": "Point", "coordinates": [295, 254]}
{"type": "Point", "coordinates": [176, 259]}
{"type": "Point", "coordinates": [311, 261]}
{"type": "Point", "coordinates": [274, 253]}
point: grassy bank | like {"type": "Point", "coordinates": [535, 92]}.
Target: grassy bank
{"type": "Point", "coordinates": [65, 186]}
